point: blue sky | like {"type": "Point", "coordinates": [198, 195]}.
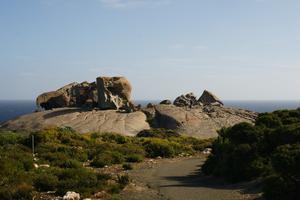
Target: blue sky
{"type": "Point", "coordinates": [238, 49]}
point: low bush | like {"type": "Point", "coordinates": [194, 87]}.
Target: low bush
{"type": "Point", "coordinates": [45, 181]}
{"type": "Point", "coordinates": [134, 158]}
{"type": "Point", "coordinates": [127, 166]}
{"type": "Point", "coordinates": [157, 147]}
{"type": "Point", "coordinates": [123, 180]}
{"type": "Point", "coordinates": [269, 149]}
{"type": "Point", "coordinates": [158, 133]}
{"type": "Point", "coordinates": [108, 158]}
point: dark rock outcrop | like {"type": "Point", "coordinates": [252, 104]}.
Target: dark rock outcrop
{"type": "Point", "coordinates": [208, 98]}
{"type": "Point", "coordinates": [187, 100]}
{"type": "Point", "coordinates": [166, 102]}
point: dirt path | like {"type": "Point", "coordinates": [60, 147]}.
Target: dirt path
{"type": "Point", "coordinates": [179, 179]}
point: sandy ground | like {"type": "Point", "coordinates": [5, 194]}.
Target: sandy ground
{"type": "Point", "coordinates": [181, 179]}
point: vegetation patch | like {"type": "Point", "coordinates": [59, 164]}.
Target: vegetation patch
{"type": "Point", "coordinates": [269, 149]}
{"type": "Point", "coordinates": [63, 155]}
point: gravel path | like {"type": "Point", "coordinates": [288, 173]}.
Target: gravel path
{"type": "Point", "coordinates": [179, 179]}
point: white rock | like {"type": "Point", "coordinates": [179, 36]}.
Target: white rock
{"type": "Point", "coordinates": [71, 196]}
{"type": "Point", "coordinates": [207, 151]}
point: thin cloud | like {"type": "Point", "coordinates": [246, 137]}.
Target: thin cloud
{"type": "Point", "coordinates": [133, 3]}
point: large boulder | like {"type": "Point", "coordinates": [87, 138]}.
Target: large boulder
{"type": "Point", "coordinates": [55, 99]}
{"type": "Point", "coordinates": [187, 100]}
{"type": "Point", "coordinates": [208, 98]}
{"type": "Point", "coordinates": [71, 95]}
{"type": "Point", "coordinates": [201, 122]}
{"type": "Point", "coordinates": [114, 93]}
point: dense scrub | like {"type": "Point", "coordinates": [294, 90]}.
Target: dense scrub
{"type": "Point", "coordinates": [67, 153]}
{"type": "Point", "coordinates": [269, 149]}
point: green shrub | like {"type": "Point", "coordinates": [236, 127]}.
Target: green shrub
{"type": "Point", "coordinates": [158, 133]}
{"type": "Point", "coordinates": [110, 137]}
{"type": "Point", "coordinates": [6, 193]}
{"type": "Point", "coordinates": [276, 187]}
{"type": "Point", "coordinates": [10, 138]}
{"type": "Point", "coordinates": [108, 158]}
{"type": "Point", "coordinates": [127, 166]}
{"type": "Point", "coordinates": [22, 191]}
{"type": "Point", "coordinates": [45, 182]}
{"type": "Point", "coordinates": [156, 148]}
{"type": "Point", "coordinates": [81, 180]}
{"type": "Point", "coordinates": [270, 149]}
{"type": "Point", "coordinates": [123, 180]}
{"type": "Point", "coordinates": [134, 158]}
{"type": "Point", "coordinates": [268, 120]}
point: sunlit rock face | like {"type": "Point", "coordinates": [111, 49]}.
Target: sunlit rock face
{"type": "Point", "coordinates": [114, 93]}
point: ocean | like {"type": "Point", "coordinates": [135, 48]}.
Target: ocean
{"type": "Point", "coordinates": [10, 109]}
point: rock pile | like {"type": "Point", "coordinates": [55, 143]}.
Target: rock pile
{"type": "Point", "coordinates": [190, 100]}
{"type": "Point", "coordinates": [186, 100]}
{"type": "Point", "coordinates": [107, 93]}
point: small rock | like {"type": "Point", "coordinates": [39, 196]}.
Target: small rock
{"type": "Point", "coordinates": [101, 194]}
{"type": "Point", "coordinates": [71, 196]}
{"type": "Point", "coordinates": [44, 165]}
{"type": "Point", "coordinates": [207, 151]}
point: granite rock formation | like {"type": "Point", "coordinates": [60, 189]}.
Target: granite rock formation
{"type": "Point", "coordinates": [106, 93]}
{"type": "Point", "coordinates": [208, 98]}
{"type": "Point", "coordinates": [188, 100]}
{"type": "Point", "coordinates": [200, 118]}
{"type": "Point", "coordinates": [53, 99]}
{"type": "Point", "coordinates": [201, 121]}
{"type": "Point", "coordinates": [80, 120]}
{"type": "Point", "coordinates": [114, 93]}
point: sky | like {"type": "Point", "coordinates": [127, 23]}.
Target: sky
{"type": "Point", "coordinates": [237, 49]}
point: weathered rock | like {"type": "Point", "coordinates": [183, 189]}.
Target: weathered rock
{"type": "Point", "coordinates": [114, 93]}
{"type": "Point", "coordinates": [71, 196]}
{"type": "Point", "coordinates": [186, 100]}
{"type": "Point", "coordinates": [207, 98]}
{"type": "Point", "coordinates": [71, 95]}
{"type": "Point", "coordinates": [166, 102]}
{"type": "Point", "coordinates": [150, 105]}
{"type": "Point", "coordinates": [200, 122]}
{"type": "Point", "coordinates": [80, 120]}
{"type": "Point", "coordinates": [55, 99]}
